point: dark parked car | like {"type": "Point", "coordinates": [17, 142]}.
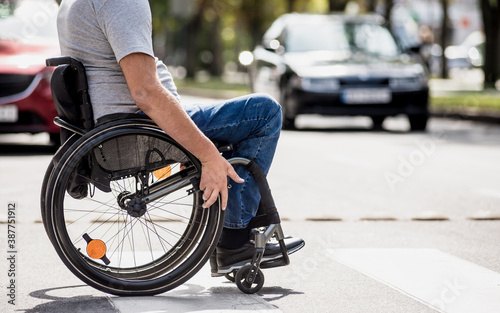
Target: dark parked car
{"type": "Point", "coordinates": [340, 65]}
{"type": "Point", "coordinates": [28, 35]}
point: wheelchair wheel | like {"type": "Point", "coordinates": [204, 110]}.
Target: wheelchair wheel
{"type": "Point", "coordinates": [50, 169]}
{"type": "Point", "coordinates": [242, 279]}
{"type": "Point", "coordinates": [125, 211]}
{"type": "Point", "coordinates": [43, 195]}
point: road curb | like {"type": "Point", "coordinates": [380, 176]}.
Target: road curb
{"type": "Point", "coordinates": [484, 117]}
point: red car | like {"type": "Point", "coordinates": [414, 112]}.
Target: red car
{"type": "Point", "coordinates": [28, 36]}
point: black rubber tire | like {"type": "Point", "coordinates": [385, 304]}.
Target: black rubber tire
{"type": "Point", "coordinates": [244, 285]}
{"type": "Point", "coordinates": [288, 123]}
{"type": "Point", "coordinates": [43, 196]}
{"type": "Point", "coordinates": [288, 120]}
{"type": "Point", "coordinates": [377, 122]}
{"type": "Point", "coordinates": [55, 139]}
{"type": "Point", "coordinates": [194, 231]}
{"type": "Point", "coordinates": [418, 122]}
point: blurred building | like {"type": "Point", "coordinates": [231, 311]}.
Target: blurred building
{"type": "Point", "coordinates": [408, 15]}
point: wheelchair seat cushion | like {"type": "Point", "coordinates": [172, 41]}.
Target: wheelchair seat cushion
{"type": "Point", "coordinates": [149, 153]}
{"type": "Point", "coordinates": [122, 116]}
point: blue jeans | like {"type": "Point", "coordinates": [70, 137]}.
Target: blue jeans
{"type": "Point", "coordinates": [252, 125]}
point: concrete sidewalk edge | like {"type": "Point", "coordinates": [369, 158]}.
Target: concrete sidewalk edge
{"type": "Point", "coordinates": [483, 117]}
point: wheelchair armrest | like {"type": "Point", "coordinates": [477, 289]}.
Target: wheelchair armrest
{"type": "Point", "coordinates": [62, 123]}
{"type": "Point", "coordinates": [58, 61]}
{"type": "Point", "coordinates": [75, 64]}
{"type": "Point", "coordinates": [223, 147]}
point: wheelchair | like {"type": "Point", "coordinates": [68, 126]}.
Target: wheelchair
{"type": "Point", "coordinates": [121, 202]}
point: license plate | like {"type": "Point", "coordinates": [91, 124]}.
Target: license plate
{"type": "Point", "coordinates": [8, 113]}
{"type": "Point", "coordinates": [366, 96]}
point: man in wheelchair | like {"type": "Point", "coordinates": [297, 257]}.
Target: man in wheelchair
{"type": "Point", "coordinates": [113, 39]}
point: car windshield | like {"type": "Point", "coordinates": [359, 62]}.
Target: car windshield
{"type": "Point", "coordinates": [28, 20]}
{"type": "Point", "coordinates": [368, 38]}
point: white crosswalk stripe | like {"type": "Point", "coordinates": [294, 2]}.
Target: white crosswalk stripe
{"type": "Point", "coordinates": [441, 281]}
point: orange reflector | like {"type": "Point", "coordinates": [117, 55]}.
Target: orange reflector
{"type": "Point", "coordinates": [163, 172]}
{"type": "Point", "coordinates": [96, 249]}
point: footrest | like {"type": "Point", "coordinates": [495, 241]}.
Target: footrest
{"type": "Point", "coordinates": [273, 263]}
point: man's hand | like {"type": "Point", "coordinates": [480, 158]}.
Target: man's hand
{"type": "Point", "coordinates": [213, 182]}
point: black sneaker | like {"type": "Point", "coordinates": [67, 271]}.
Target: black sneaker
{"type": "Point", "coordinates": [213, 265]}
{"type": "Point", "coordinates": [228, 260]}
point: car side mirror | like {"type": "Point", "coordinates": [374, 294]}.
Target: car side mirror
{"type": "Point", "coordinates": [414, 49]}
{"type": "Point", "coordinates": [273, 45]}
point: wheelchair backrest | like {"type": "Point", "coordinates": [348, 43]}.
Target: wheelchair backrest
{"type": "Point", "coordinates": [70, 92]}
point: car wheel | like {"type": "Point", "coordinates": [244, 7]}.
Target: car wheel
{"type": "Point", "coordinates": [418, 122]}
{"type": "Point", "coordinates": [55, 139]}
{"type": "Point", "coordinates": [377, 122]}
{"type": "Point", "coordinates": [288, 122]}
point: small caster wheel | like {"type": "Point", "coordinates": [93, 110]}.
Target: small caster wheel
{"type": "Point", "coordinates": [249, 286]}
{"type": "Point", "coordinates": [231, 276]}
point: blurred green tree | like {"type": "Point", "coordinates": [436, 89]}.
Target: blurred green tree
{"type": "Point", "coordinates": [207, 34]}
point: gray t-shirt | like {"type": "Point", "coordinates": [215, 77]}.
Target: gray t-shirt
{"type": "Point", "coordinates": [99, 33]}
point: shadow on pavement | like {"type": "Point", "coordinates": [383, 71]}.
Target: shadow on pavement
{"type": "Point", "coordinates": [275, 293]}
{"type": "Point", "coordinates": [12, 149]}
{"type": "Point", "coordinates": [81, 304]}
{"type": "Point", "coordinates": [189, 297]}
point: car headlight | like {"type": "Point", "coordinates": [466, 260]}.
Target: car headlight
{"type": "Point", "coordinates": [475, 57]}
{"type": "Point", "coordinates": [320, 85]}
{"type": "Point", "coordinates": [412, 82]}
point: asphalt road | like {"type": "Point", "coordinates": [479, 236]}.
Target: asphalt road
{"type": "Point", "coordinates": [393, 222]}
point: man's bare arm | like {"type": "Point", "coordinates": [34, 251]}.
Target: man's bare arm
{"type": "Point", "coordinates": [164, 109]}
